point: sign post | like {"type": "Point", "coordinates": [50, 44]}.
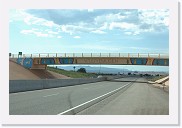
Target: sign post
{"type": "Point", "coordinates": [20, 53]}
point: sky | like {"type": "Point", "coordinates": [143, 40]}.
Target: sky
{"type": "Point", "coordinates": [89, 31]}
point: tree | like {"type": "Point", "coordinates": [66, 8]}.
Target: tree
{"type": "Point", "coordinates": [83, 70]}
{"type": "Point", "coordinates": [74, 68]}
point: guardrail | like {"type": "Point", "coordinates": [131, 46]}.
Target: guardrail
{"type": "Point", "coordinates": [47, 55]}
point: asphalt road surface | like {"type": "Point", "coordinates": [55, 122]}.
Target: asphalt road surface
{"type": "Point", "coordinates": [138, 99]}
{"type": "Point", "coordinates": [56, 100]}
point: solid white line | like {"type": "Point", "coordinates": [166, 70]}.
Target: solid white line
{"type": "Point", "coordinates": [92, 100]}
{"type": "Point", "coordinates": [51, 95]}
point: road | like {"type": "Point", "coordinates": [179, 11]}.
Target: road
{"type": "Point", "coordinates": [56, 100]}
{"type": "Point", "coordinates": [138, 99]}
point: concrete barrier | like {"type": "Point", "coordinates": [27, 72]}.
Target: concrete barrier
{"type": "Point", "coordinates": [31, 85]}
{"type": "Point", "coordinates": [24, 85]}
{"type": "Point", "coordinates": [163, 80]}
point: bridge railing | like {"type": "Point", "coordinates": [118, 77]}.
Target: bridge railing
{"type": "Point", "coordinates": [136, 55]}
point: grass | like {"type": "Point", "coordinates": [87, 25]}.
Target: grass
{"type": "Point", "coordinates": [154, 78]}
{"type": "Point", "coordinates": [71, 74]}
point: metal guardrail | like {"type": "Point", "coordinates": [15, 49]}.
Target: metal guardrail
{"type": "Point", "coordinates": [137, 55]}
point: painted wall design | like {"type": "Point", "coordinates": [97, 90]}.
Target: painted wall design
{"type": "Point", "coordinates": [117, 61]}
{"type": "Point", "coordinates": [29, 62]}
{"type": "Point", "coordinates": [50, 61]}
{"type": "Point", "coordinates": [161, 62]}
{"type": "Point", "coordinates": [20, 61]}
{"type": "Point", "coordinates": [26, 62]}
{"type": "Point", "coordinates": [47, 61]}
{"type": "Point", "coordinates": [66, 60]}
{"type": "Point", "coordinates": [138, 61]}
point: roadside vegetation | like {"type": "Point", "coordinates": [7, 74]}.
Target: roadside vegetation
{"type": "Point", "coordinates": [72, 74]}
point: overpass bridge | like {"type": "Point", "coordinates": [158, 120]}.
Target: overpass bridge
{"type": "Point", "coordinates": [41, 60]}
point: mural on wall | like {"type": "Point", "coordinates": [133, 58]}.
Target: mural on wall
{"type": "Point", "coordinates": [138, 61]}
{"type": "Point", "coordinates": [50, 61]}
{"type": "Point", "coordinates": [161, 62]}
{"type": "Point", "coordinates": [47, 61]}
{"type": "Point", "coordinates": [26, 62]}
{"type": "Point", "coordinates": [66, 60]}
{"type": "Point", "coordinates": [20, 61]}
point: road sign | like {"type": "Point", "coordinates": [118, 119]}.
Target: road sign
{"type": "Point", "coordinates": [20, 53]}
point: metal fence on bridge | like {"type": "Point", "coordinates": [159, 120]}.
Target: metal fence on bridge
{"type": "Point", "coordinates": [138, 55]}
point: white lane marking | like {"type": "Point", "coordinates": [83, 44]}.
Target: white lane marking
{"type": "Point", "coordinates": [51, 95]}
{"type": "Point", "coordinates": [93, 99]}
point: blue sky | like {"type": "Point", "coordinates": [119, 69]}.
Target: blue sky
{"type": "Point", "coordinates": [89, 31]}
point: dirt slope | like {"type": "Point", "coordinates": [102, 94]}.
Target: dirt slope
{"type": "Point", "coordinates": [18, 72]}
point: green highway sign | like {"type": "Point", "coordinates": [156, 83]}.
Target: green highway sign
{"type": "Point", "coordinates": [20, 53]}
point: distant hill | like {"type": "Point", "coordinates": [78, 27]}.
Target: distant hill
{"type": "Point", "coordinates": [107, 70]}
{"type": "Point", "coordinates": [95, 69]}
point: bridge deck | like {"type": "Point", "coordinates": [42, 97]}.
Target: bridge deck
{"type": "Point", "coordinates": [41, 60]}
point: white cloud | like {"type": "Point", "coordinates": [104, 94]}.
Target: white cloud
{"type": "Point", "coordinates": [109, 18]}
{"type": "Point", "coordinates": [22, 15]}
{"type": "Point", "coordinates": [154, 17]}
{"type": "Point", "coordinates": [59, 36]}
{"type": "Point", "coordinates": [35, 32]}
{"type": "Point", "coordinates": [49, 24]}
{"type": "Point", "coordinates": [122, 25]}
{"type": "Point", "coordinates": [104, 26]}
{"type": "Point", "coordinates": [51, 32]}
{"type": "Point", "coordinates": [98, 32]}
{"type": "Point", "coordinates": [97, 47]}
{"type": "Point", "coordinates": [39, 34]}
{"type": "Point", "coordinates": [90, 10]}
{"type": "Point", "coordinates": [135, 22]}
{"type": "Point", "coordinates": [139, 48]}
{"type": "Point", "coordinates": [128, 33]}
{"type": "Point", "coordinates": [129, 22]}
{"type": "Point", "coordinates": [77, 37]}
{"type": "Point", "coordinates": [27, 31]}
{"type": "Point", "coordinates": [71, 29]}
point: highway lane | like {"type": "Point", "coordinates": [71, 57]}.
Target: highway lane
{"type": "Point", "coordinates": [56, 100]}
{"type": "Point", "coordinates": [138, 99]}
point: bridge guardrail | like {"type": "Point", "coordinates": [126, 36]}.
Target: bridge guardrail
{"type": "Point", "coordinates": [137, 55]}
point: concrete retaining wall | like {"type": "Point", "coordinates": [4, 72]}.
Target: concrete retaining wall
{"type": "Point", "coordinates": [30, 85]}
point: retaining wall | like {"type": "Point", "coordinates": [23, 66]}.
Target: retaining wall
{"type": "Point", "coordinates": [30, 85]}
